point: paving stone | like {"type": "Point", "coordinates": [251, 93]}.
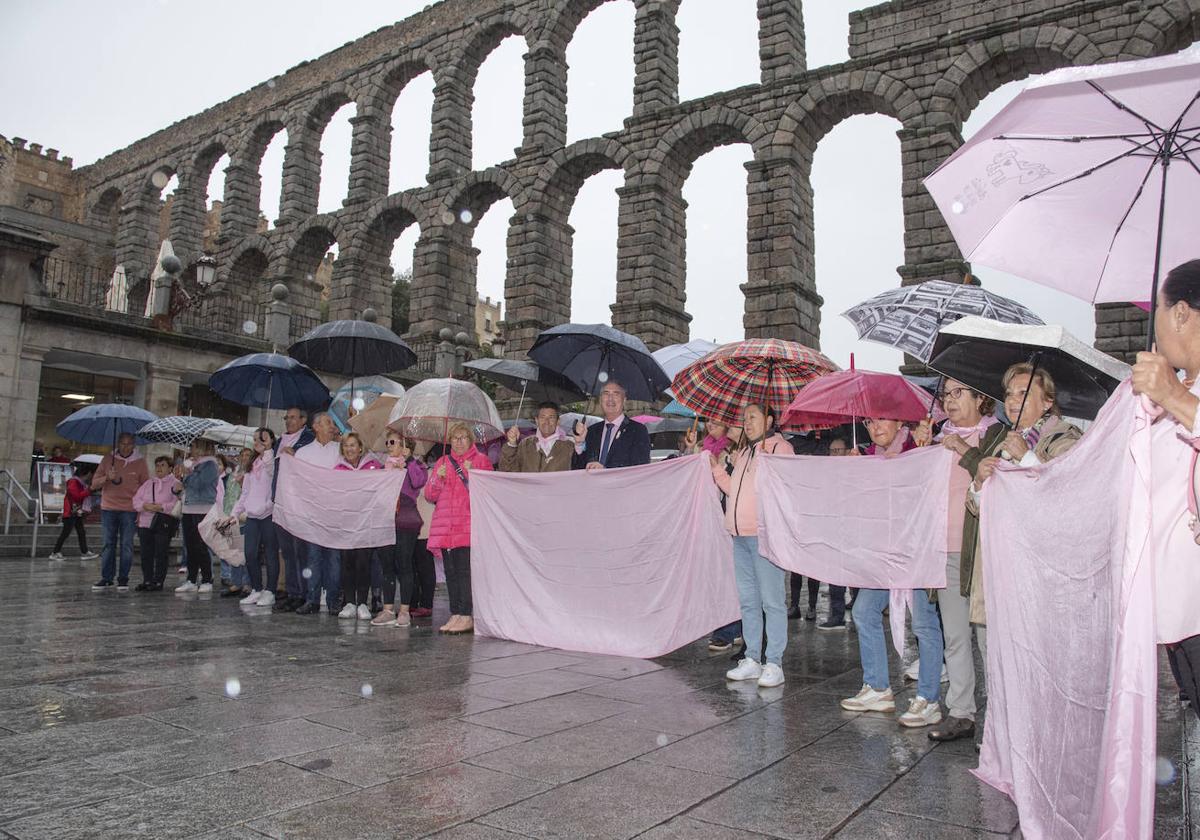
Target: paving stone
{"type": "Point", "coordinates": [72, 743]}
{"type": "Point", "coordinates": [573, 753]}
{"type": "Point", "coordinates": [686, 828]}
{"type": "Point", "coordinates": [254, 710]}
{"type": "Point", "coordinates": [877, 824]}
{"type": "Point", "coordinates": [962, 799]}
{"type": "Point", "coordinates": [541, 717]}
{"type": "Point", "coordinates": [60, 786]}
{"type": "Point", "coordinates": [70, 709]}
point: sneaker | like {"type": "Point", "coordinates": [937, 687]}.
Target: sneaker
{"type": "Point", "coordinates": [364, 612]}
{"type": "Point", "coordinates": [154, 587]}
{"type": "Point", "coordinates": [870, 700]}
{"type": "Point", "coordinates": [307, 608]}
{"type": "Point", "coordinates": [811, 615]}
{"type": "Point", "coordinates": [144, 586]}
{"type": "Point", "coordinates": [251, 599]}
{"type": "Point", "coordinates": [56, 555]}
{"type": "Point", "coordinates": [403, 620]}
{"type": "Point", "coordinates": [266, 598]}
{"type": "Point", "coordinates": [793, 613]}
{"type": "Point", "coordinates": [102, 585]}
{"type": "Point", "coordinates": [123, 587]}
{"type": "Point", "coordinates": [831, 625]}
{"type": "Point", "coordinates": [204, 587]}
{"type": "Point", "coordinates": [348, 611]}
{"type": "Point", "coordinates": [420, 612]}
{"type": "Point", "coordinates": [186, 586]}
{"type": "Point", "coordinates": [772, 675]}
{"type": "Point", "coordinates": [719, 645]}
{"type": "Point", "coordinates": [288, 605]}
{"type": "Point", "coordinates": [183, 570]}
{"type": "Point", "coordinates": [921, 713]}
{"type": "Point", "coordinates": [747, 669]}
{"type": "Point", "coordinates": [87, 555]}
{"type": "Point", "coordinates": [913, 672]}
{"type": "Point", "coordinates": [384, 617]}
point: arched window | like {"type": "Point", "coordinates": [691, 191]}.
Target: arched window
{"type": "Point", "coordinates": [718, 46]}
{"type": "Point", "coordinates": [498, 112]}
{"type": "Point", "coordinates": [270, 173]}
{"type": "Point", "coordinates": [600, 71]}
{"type": "Point", "coordinates": [335, 159]}
{"type": "Point", "coordinates": [594, 248]}
{"type": "Point", "coordinates": [491, 238]}
{"type": "Point", "coordinates": [411, 125]}
{"type": "Point", "coordinates": [214, 193]}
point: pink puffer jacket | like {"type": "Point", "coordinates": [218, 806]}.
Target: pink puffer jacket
{"type": "Point", "coordinates": [451, 525]}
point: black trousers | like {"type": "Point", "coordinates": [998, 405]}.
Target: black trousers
{"type": "Point", "coordinates": [356, 575]}
{"type": "Point", "coordinates": [1185, 663]}
{"type": "Point", "coordinates": [163, 534]}
{"type": "Point", "coordinates": [146, 549]}
{"type": "Point", "coordinates": [397, 563]}
{"type": "Point", "coordinates": [458, 579]}
{"type": "Point", "coordinates": [68, 523]}
{"type": "Point", "coordinates": [424, 576]}
{"type": "Point", "coordinates": [199, 561]}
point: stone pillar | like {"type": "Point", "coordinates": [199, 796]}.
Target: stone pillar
{"type": "Point", "coordinates": [442, 293]}
{"type": "Point", "coordinates": [781, 295]}
{"type": "Point", "coordinates": [186, 229]}
{"type": "Point", "coordinates": [162, 389]}
{"type": "Point", "coordinates": [445, 357]}
{"type": "Point", "coordinates": [137, 236]}
{"type": "Point", "coordinates": [651, 265]}
{"type": "Point", "coordinates": [277, 325]}
{"type": "Point", "coordinates": [780, 40]}
{"type": "Point", "coordinates": [301, 175]}
{"type": "Point", "coordinates": [537, 291]}
{"type": "Point", "coordinates": [18, 409]}
{"type": "Point", "coordinates": [354, 286]}
{"type": "Point", "coordinates": [370, 151]}
{"type": "Point", "coordinates": [930, 252]}
{"type": "Point", "coordinates": [655, 59]}
{"type": "Point", "coordinates": [545, 118]}
{"type": "Point", "coordinates": [450, 134]}
{"type": "Point", "coordinates": [243, 192]}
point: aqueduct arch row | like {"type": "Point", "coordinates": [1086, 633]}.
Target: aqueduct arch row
{"type": "Point", "coordinates": [926, 63]}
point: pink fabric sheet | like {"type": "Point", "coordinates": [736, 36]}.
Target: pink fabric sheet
{"type": "Point", "coordinates": [1071, 669]}
{"type": "Point", "coordinates": [878, 523]}
{"type": "Point", "coordinates": [337, 508]}
{"type": "Point", "coordinates": [627, 562]}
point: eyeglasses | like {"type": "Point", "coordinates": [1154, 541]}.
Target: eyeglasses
{"type": "Point", "coordinates": [392, 441]}
{"type": "Point", "coordinates": [954, 393]}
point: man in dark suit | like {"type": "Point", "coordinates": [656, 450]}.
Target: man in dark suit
{"type": "Point", "coordinates": [617, 442]}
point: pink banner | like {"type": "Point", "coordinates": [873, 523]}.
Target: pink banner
{"type": "Point", "coordinates": [873, 522]}
{"type": "Point", "coordinates": [1071, 670]}
{"type": "Point", "coordinates": [628, 562]}
{"type": "Point", "coordinates": [337, 508]}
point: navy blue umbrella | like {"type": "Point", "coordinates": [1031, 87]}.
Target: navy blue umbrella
{"type": "Point", "coordinates": [100, 425]}
{"type": "Point", "coordinates": [589, 355]}
{"type": "Point", "coordinates": [263, 380]}
{"type": "Point", "coordinates": [353, 348]}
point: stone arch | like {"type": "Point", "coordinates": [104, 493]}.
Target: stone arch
{"type": "Point", "coordinates": [298, 266]}
{"type": "Point", "coordinates": [325, 229]}
{"type": "Point", "coordinates": [986, 65]}
{"type": "Point", "coordinates": [485, 38]}
{"type": "Point", "coordinates": [477, 191]}
{"type": "Point", "coordinates": [244, 285]}
{"type": "Point", "coordinates": [564, 19]}
{"type": "Point", "coordinates": [246, 252]}
{"type": "Point", "coordinates": [105, 210]}
{"type": "Point", "coordinates": [190, 207]}
{"type": "Point", "coordinates": [560, 178]}
{"type": "Point", "coordinates": [243, 180]}
{"type": "Point", "coordinates": [380, 96]}
{"type": "Point", "coordinates": [368, 254]}
{"type": "Point", "coordinates": [1165, 29]}
{"type": "Point", "coordinates": [696, 135]}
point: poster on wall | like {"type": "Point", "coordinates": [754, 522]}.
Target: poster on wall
{"type": "Point", "coordinates": [52, 488]}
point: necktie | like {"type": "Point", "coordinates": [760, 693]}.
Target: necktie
{"type": "Point", "coordinates": [608, 427]}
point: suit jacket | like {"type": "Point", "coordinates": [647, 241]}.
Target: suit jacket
{"type": "Point", "coordinates": [526, 457]}
{"type": "Point", "coordinates": [630, 447]}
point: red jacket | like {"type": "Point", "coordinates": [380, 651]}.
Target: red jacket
{"type": "Point", "coordinates": [451, 525]}
{"type": "Point", "coordinates": [77, 492]}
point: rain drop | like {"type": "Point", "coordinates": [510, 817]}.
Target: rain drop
{"type": "Point", "coordinates": [270, 83]}
{"type": "Point", "coordinates": [447, 218]}
{"type": "Point", "coordinates": [367, 691]}
{"type": "Point", "coordinates": [661, 740]}
{"type": "Point", "coordinates": [1164, 771]}
{"type": "Point", "coordinates": [233, 687]}
{"type": "Point", "coordinates": [957, 208]}
{"type": "Point", "coordinates": [159, 179]}
{"type": "Point", "coordinates": [249, 327]}
{"type": "Point", "coordinates": [466, 217]}
{"type": "Point", "coordinates": [308, 277]}
{"type": "Point", "coordinates": [602, 376]}
{"type": "Point", "coordinates": [358, 403]}
{"type": "Point", "coordinates": [306, 574]}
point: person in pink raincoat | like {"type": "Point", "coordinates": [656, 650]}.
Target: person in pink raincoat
{"type": "Point", "coordinates": [1176, 438]}
{"type": "Point", "coordinates": [450, 531]}
{"type": "Point", "coordinates": [356, 562]}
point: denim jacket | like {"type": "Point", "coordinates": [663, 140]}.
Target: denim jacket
{"type": "Point", "coordinates": [200, 485]}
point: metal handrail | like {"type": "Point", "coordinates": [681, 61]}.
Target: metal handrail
{"type": "Point", "coordinates": [29, 510]}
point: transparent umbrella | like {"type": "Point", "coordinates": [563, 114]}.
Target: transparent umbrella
{"type": "Point", "coordinates": [429, 408]}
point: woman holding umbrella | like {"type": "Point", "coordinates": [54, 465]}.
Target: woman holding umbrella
{"type": "Point", "coordinates": [450, 531]}
{"type": "Point", "coordinates": [200, 475]}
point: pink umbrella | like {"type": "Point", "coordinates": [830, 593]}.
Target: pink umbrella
{"type": "Point", "coordinates": [1087, 182]}
{"type": "Point", "coordinates": [846, 396]}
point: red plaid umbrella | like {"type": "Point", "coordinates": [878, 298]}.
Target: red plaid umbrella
{"type": "Point", "coordinates": [757, 369]}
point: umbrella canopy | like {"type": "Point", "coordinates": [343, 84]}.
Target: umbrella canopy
{"type": "Point", "coordinates": [849, 395]}
{"type": "Point", "coordinates": [677, 409]}
{"type": "Point", "coordinates": [164, 250]}
{"type": "Point", "coordinates": [100, 425]}
{"type": "Point", "coordinates": [533, 382]}
{"type": "Point", "coordinates": [670, 424]}
{"type": "Point", "coordinates": [269, 379]}
{"type": "Point", "coordinates": [589, 355]}
{"type": "Point", "coordinates": [87, 458]}
{"type": "Point", "coordinates": [567, 421]}
{"type": "Point", "coordinates": [229, 434]}
{"type": "Point", "coordinates": [1087, 182]}
{"type": "Point", "coordinates": [353, 348]}
{"type": "Point", "coordinates": [675, 357]}
{"type": "Point", "coordinates": [909, 318]}
{"type": "Point", "coordinates": [116, 299]}
{"type": "Point", "coordinates": [758, 369]}
{"type": "Point", "coordinates": [371, 422]}
{"type": "Point", "coordinates": [367, 390]}
{"type": "Point", "coordinates": [429, 408]}
{"type": "Point", "coordinates": [177, 431]}
{"type": "Point", "coordinates": [977, 352]}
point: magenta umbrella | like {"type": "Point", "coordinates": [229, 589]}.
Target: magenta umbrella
{"type": "Point", "coordinates": [847, 396]}
{"type": "Point", "coordinates": [1087, 182]}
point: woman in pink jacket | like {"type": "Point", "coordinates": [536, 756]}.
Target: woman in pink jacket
{"type": "Point", "coordinates": [760, 582]}
{"type": "Point", "coordinates": [153, 502]}
{"type": "Point", "coordinates": [356, 562]}
{"type": "Point", "coordinates": [450, 530]}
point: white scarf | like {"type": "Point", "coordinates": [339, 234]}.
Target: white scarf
{"type": "Point", "coordinates": [546, 444]}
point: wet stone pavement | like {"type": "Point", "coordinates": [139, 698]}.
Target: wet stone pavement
{"type": "Point", "coordinates": [164, 716]}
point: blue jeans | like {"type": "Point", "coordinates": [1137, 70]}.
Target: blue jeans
{"type": "Point", "coordinates": [729, 632]}
{"type": "Point", "coordinates": [325, 566]}
{"type": "Point", "coordinates": [119, 528]}
{"type": "Point", "coordinates": [760, 586]}
{"type": "Point", "coordinates": [295, 559]}
{"type": "Point", "coordinates": [236, 575]}
{"type": "Point", "coordinates": [872, 647]}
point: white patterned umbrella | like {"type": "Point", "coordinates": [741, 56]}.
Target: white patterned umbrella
{"type": "Point", "coordinates": [176, 431]}
{"type": "Point", "coordinates": [909, 318]}
{"type": "Point", "coordinates": [228, 434]}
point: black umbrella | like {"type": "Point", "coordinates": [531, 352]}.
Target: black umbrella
{"type": "Point", "coordinates": [589, 355]}
{"type": "Point", "coordinates": [537, 384]}
{"type": "Point", "coordinates": [977, 352]}
{"type": "Point", "coordinates": [269, 379]}
{"type": "Point", "coordinates": [353, 348]}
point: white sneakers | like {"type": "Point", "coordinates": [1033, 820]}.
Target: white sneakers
{"type": "Point", "coordinates": [187, 586]}
{"type": "Point", "coordinates": [870, 700]}
{"type": "Point", "coordinates": [767, 676]}
{"type": "Point", "coordinates": [251, 599]}
{"type": "Point", "coordinates": [204, 587]}
{"type": "Point", "coordinates": [921, 713]}
{"type": "Point", "coordinates": [348, 611]}
{"type": "Point", "coordinates": [266, 598]}
{"type": "Point", "coordinates": [87, 555]}
{"type": "Point", "coordinates": [364, 612]}
{"type": "Point", "coordinates": [913, 672]}
{"type": "Point", "coordinates": [55, 555]}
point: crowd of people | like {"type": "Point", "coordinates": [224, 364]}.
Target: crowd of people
{"type": "Point", "coordinates": [208, 493]}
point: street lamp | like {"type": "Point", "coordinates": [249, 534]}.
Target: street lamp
{"type": "Point", "coordinates": [206, 271]}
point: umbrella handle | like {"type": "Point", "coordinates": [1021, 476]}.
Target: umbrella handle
{"type": "Point", "coordinates": [521, 404]}
{"type": "Point", "coordinates": [1162, 209]}
{"type": "Point", "coordinates": [1033, 361]}
{"type": "Point", "coordinates": [933, 400]}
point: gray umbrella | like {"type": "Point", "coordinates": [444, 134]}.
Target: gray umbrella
{"type": "Point", "coordinates": [533, 382]}
{"type": "Point", "coordinates": [176, 431]}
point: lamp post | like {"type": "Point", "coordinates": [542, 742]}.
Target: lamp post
{"type": "Point", "coordinates": [171, 298]}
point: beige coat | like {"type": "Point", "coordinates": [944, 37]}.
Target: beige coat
{"type": "Point", "coordinates": [527, 458]}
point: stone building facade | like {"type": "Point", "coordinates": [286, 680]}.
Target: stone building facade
{"type": "Point", "coordinates": [926, 63]}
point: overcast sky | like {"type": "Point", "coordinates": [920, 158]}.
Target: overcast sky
{"type": "Point", "coordinates": [94, 77]}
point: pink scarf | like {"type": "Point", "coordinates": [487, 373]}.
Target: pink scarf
{"type": "Point", "coordinates": [545, 444]}
{"type": "Point", "coordinates": [715, 445]}
{"type": "Point", "coordinates": [948, 428]}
